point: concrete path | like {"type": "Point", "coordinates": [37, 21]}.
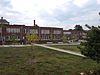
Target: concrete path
{"type": "Point", "coordinates": [63, 44]}
{"type": "Point", "coordinates": [14, 45]}
{"type": "Point", "coordinates": [61, 50]}
{"type": "Point", "coordinates": [45, 46]}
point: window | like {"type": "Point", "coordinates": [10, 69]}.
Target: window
{"type": "Point", "coordinates": [45, 32]}
{"type": "Point", "coordinates": [34, 31]}
{"type": "Point", "coordinates": [57, 32]}
{"type": "Point", "coordinates": [67, 32]}
{"type": "Point", "coordinates": [31, 31]}
{"type": "Point", "coordinates": [48, 37]}
{"type": "Point", "coordinates": [57, 37]}
{"type": "Point", "coordinates": [45, 37]}
{"type": "Point", "coordinates": [13, 30]}
{"type": "Point", "coordinates": [42, 36]}
{"type": "Point", "coordinates": [17, 37]}
{"type": "Point", "coordinates": [25, 31]}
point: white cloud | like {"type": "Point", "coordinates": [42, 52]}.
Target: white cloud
{"type": "Point", "coordinates": [98, 1]}
{"type": "Point", "coordinates": [36, 5]}
{"type": "Point", "coordinates": [80, 3]}
{"type": "Point", "coordinates": [32, 9]}
{"type": "Point", "coordinates": [56, 13]}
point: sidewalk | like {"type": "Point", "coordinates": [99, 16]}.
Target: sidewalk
{"type": "Point", "coordinates": [14, 45]}
{"type": "Point", "coordinates": [61, 50]}
{"type": "Point", "coordinates": [63, 44]}
{"type": "Point", "coordinates": [45, 46]}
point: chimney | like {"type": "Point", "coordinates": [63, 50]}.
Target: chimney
{"type": "Point", "coordinates": [2, 18]}
{"type": "Point", "coordinates": [34, 23]}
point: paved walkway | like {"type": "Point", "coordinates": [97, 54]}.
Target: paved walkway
{"type": "Point", "coordinates": [45, 46]}
{"type": "Point", "coordinates": [62, 44]}
{"type": "Point", "coordinates": [14, 45]}
{"type": "Point", "coordinates": [61, 50]}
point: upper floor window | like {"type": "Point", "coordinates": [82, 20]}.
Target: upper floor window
{"type": "Point", "coordinates": [67, 32]}
{"type": "Point", "coordinates": [13, 30]}
{"type": "Point", "coordinates": [57, 32]}
{"type": "Point", "coordinates": [45, 32]}
{"type": "Point", "coordinates": [25, 31]}
{"type": "Point", "coordinates": [33, 31]}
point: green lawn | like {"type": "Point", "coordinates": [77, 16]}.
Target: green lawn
{"type": "Point", "coordinates": [67, 47]}
{"type": "Point", "coordinates": [41, 61]}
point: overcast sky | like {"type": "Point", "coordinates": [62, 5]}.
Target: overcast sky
{"type": "Point", "coordinates": [52, 13]}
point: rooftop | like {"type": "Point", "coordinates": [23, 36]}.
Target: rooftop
{"type": "Point", "coordinates": [3, 21]}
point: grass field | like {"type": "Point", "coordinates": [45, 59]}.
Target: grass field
{"type": "Point", "coordinates": [41, 61]}
{"type": "Point", "coordinates": [67, 47]}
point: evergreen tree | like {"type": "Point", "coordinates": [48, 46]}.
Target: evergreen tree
{"type": "Point", "coordinates": [78, 27]}
{"type": "Point", "coordinates": [91, 48]}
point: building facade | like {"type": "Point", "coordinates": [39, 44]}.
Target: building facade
{"type": "Point", "coordinates": [45, 34]}
{"type": "Point", "coordinates": [74, 35]}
